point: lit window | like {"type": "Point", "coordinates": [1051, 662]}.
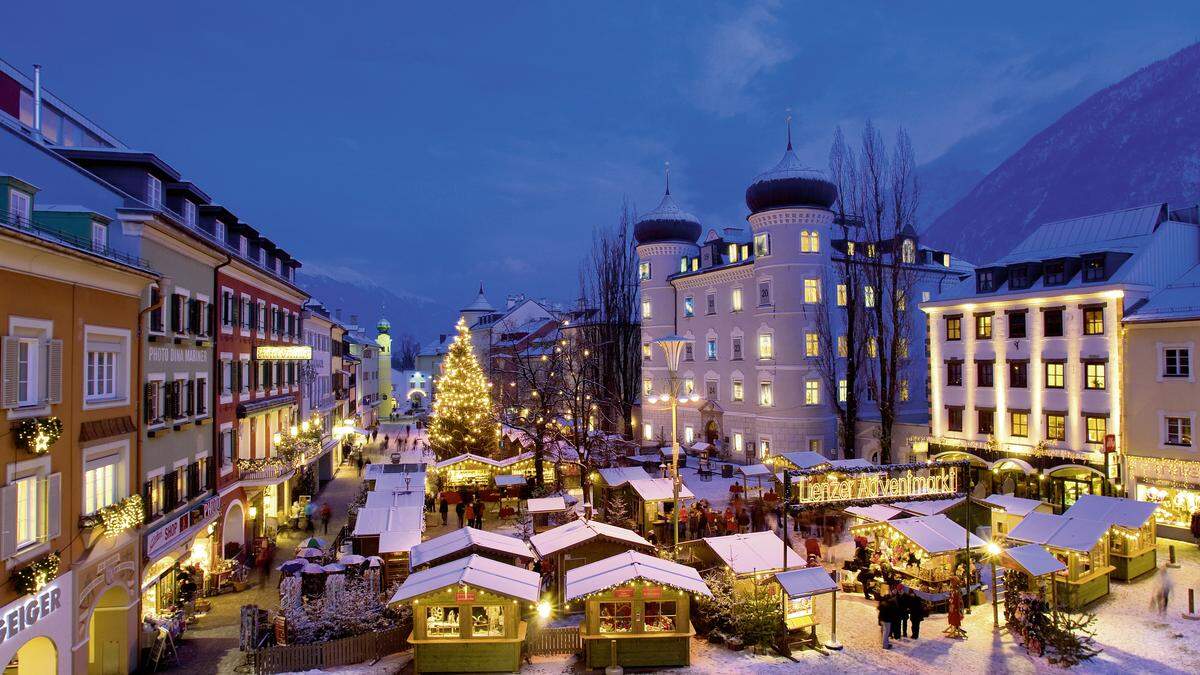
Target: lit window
{"type": "Point", "coordinates": [812, 392]}
{"type": "Point", "coordinates": [1056, 427]}
{"type": "Point", "coordinates": [983, 326]}
{"type": "Point", "coordinates": [735, 300]}
{"type": "Point", "coordinates": [689, 434]}
{"type": "Point", "coordinates": [644, 271]}
{"type": "Point", "coordinates": [646, 314]}
{"type": "Point", "coordinates": [903, 390]}
{"type": "Point", "coordinates": [869, 296]}
{"type": "Point", "coordinates": [647, 351]}
{"type": "Point", "coordinates": [1179, 431]}
{"type": "Point", "coordinates": [733, 253]}
{"type": "Point", "coordinates": [810, 242]}
{"type": "Point", "coordinates": [1093, 376]}
{"type": "Point", "coordinates": [738, 391]}
{"type": "Point", "coordinates": [872, 347]}
{"type": "Point", "coordinates": [710, 350]}
{"type": "Point", "coordinates": [28, 511]}
{"type": "Point", "coordinates": [647, 387]}
{"type": "Point", "coordinates": [925, 296]}
{"type": "Point", "coordinates": [739, 443]}
{"type": "Point", "coordinates": [765, 397]}
{"type": "Point", "coordinates": [766, 346]}
{"type": "Point", "coordinates": [901, 300]}
{"type": "Point", "coordinates": [762, 244]}
{"type": "Point", "coordinates": [689, 307]}
{"type": "Point", "coordinates": [841, 295]}
{"type": "Point", "coordinates": [850, 248]}
{"type": "Point", "coordinates": [870, 250]}
{"type": "Point", "coordinates": [648, 432]}
{"type": "Point", "coordinates": [812, 346]}
{"type": "Point", "coordinates": [683, 264]}
{"type": "Point", "coordinates": [1097, 429]}
{"type": "Point", "coordinates": [1018, 424]}
{"type": "Point", "coordinates": [1055, 375]}
{"type": "Point", "coordinates": [100, 486]}
{"type": "Point", "coordinates": [689, 385]}
{"type": "Point", "coordinates": [843, 346]}
{"type": "Point", "coordinates": [812, 290]}
{"type": "Point", "coordinates": [909, 251]}
{"type": "Point", "coordinates": [1093, 321]}
{"type": "Point", "coordinates": [953, 328]}
{"type": "Point", "coordinates": [842, 390]}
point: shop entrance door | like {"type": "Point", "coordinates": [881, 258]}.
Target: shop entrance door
{"type": "Point", "coordinates": [108, 634]}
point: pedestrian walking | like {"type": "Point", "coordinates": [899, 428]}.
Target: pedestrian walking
{"type": "Point", "coordinates": [268, 561]}
{"type": "Point", "coordinates": [479, 506]}
{"type": "Point", "coordinates": [900, 623]}
{"type": "Point", "coordinates": [444, 509]}
{"type": "Point", "coordinates": [385, 441]}
{"type": "Point", "coordinates": [360, 465]}
{"type": "Point", "coordinates": [887, 615]}
{"type": "Point", "coordinates": [459, 509]}
{"type": "Point", "coordinates": [310, 510]}
{"type": "Point", "coordinates": [326, 514]}
{"type": "Point", "coordinates": [470, 515]}
{"type": "Point", "coordinates": [914, 608]}
{"type": "Point", "coordinates": [954, 616]}
{"type": "Point", "coordinates": [1162, 595]}
{"type": "Point", "coordinates": [867, 578]}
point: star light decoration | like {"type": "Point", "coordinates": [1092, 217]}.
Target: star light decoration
{"type": "Point", "coordinates": [37, 434]}
{"type": "Point", "coordinates": [34, 576]}
{"type": "Point", "coordinates": [463, 419]}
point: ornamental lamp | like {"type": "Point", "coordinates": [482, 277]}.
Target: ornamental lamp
{"type": "Point", "coordinates": [672, 345]}
{"type": "Point", "coordinates": [993, 549]}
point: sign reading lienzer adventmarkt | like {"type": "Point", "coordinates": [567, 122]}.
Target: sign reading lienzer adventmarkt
{"type": "Point", "coordinates": [879, 485]}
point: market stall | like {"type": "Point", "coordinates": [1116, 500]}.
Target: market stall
{"type": "Point", "coordinates": [800, 589]}
{"type": "Point", "coordinates": [1008, 510]}
{"type": "Point", "coordinates": [637, 610]}
{"type": "Point", "coordinates": [469, 541]}
{"type": "Point", "coordinates": [746, 555]}
{"type": "Point", "coordinates": [578, 543]}
{"type": "Point", "coordinates": [509, 487]}
{"type": "Point", "coordinates": [468, 615]}
{"type": "Point", "coordinates": [543, 509]}
{"type": "Point", "coordinates": [652, 502]}
{"type": "Point", "coordinates": [1132, 536]}
{"type": "Point", "coordinates": [758, 473]}
{"type": "Point", "coordinates": [466, 471]}
{"type": "Point", "coordinates": [923, 552]}
{"type": "Point", "coordinates": [1081, 544]}
{"type": "Point", "coordinates": [390, 533]}
{"type": "Point", "coordinates": [1036, 565]}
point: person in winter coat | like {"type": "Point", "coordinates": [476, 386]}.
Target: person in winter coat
{"type": "Point", "coordinates": [459, 509]}
{"type": "Point", "coordinates": [914, 607]}
{"type": "Point", "coordinates": [478, 515]}
{"type": "Point", "coordinates": [470, 516]}
{"type": "Point", "coordinates": [867, 578]}
{"type": "Point", "coordinates": [900, 624]}
{"type": "Point", "coordinates": [444, 509]}
{"type": "Point", "coordinates": [683, 523]}
{"type": "Point", "coordinates": [887, 616]}
{"type": "Point", "coordinates": [326, 514]}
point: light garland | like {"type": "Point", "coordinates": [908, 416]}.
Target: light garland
{"type": "Point", "coordinates": [37, 434]}
{"type": "Point", "coordinates": [127, 514]}
{"type": "Point", "coordinates": [34, 576]}
{"type": "Point", "coordinates": [463, 419]}
{"type": "Point", "coordinates": [1180, 470]}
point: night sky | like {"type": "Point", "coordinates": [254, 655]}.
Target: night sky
{"type": "Point", "coordinates": [432, 145]}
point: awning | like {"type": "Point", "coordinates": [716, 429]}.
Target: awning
{"type": "Point", "coordinates": [265, 404]}
{"type": "Point", "coordinates": [805, 582]}
{"type": "Point", "coordinates": [507, 481]}
{"type": "Point", "coordinates": [1032, 560]}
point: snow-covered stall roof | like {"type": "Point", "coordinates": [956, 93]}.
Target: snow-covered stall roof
{"type": "Point", "coordinates": [629, 566]}
{"type": "Point", "coordinates": [754, 470]}
{"type": "Point", "coordinates": [509, 461]}
{"type": "Point", "coordinates": [464, 539]}
{"type": "Point", "coordinates": [646, 458]}
{"type": "Point", "coordinates": [856, 463]}
{"type": "Point", "coordinates": [805, 459]}
{"type": "Point", "coordinates": [1032, 559]}
{"type": "Point", "coordinates": [579, 531]}
{"type": "Point", "coordinates": [373, 521]}
{"type": "Point", "coordinates": [382, 499]}
{"type": "Point", "coordinates": [928, 507]}
{"type": "Point", "coordinates": [398, 541]}
{"type": "Point", "coordinates": [753, 552]}
{"type": "Point", "coordinates": [806, 581]}
{"type": "Point", "coordinates": [466, 457]}
{"type": "Point", "coordinates": [701, 446]}
{"type": "Point", "coordinates": [659, 489]}
{"type": "Point", "coordinates": [1119, 511]}
{"type": "Point", "coordinates": [935, 534]}
{"type": "Point", "coordinates": [546, 505]}
{"type": "Point", "coordinates": [1017, 506]}
{"type": "Point", "coordinates": [874, 512]}
{"type": "Point", "coordinates": [509, 480]}
{"type": "Point", "coordinates": [474, 570]}
{"type": "Point", "coordinates": [1073, 534]}
{"type": "Point", "coordinates": [619, 475]}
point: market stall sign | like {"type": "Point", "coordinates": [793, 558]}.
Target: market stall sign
{"type": "Point", "coordinates": [27, 614]}
{"type": "Point", "coordinates": [465, 596]}
{"type": "Point", "coordinates": [622, 592]}
{"type": "Point", "coordinates": [651, 592]}
{"type": "Point", "coordinates": [879, 485]}
{"type": "Point", "coordinates": [283, 353]}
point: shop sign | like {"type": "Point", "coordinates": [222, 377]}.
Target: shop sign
{"type": "Point", "coordinates": [180, 527]}
{"type": "Point", "coordinates": [830, 489]}
{"type": "Point", "coordinates": [177, 355]}
{"type": "Point", "coordinates": [283, 353]}
{"type": "Point", "coordinates": [27, 614]}
{"type": "Point", "coordinates": [465, 596]}
{"type": "Point", "coordinates": [1110, 443]}
{"type": "Point", "coordinates": [623, 593]}
{"type": "Point", "coordinates": [651, 592]}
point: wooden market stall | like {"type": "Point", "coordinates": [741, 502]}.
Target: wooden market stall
{"type": "Point", "coordinates": [800, 588]}
{"type": "Point", "coordinates": [468, 615]}
{"type": "Point", "coordinates": [390, 533]}
{"type": "Point", "coordinates": [611, 481]}
{"type": "Point", "coordinates": [799, 460]}
{"type": "Point", "coordinates": [637, 610]}
{"type": "Point", "coordinates": [1008, 510]}
{"type": "Point", "coordinates": [1132, 539]}
{"type": "Point", "coordinates": [923, 552]}
{"type": "Point", "coordinates": [467, 541]}
{"type": "Point", "coordinates": [1036, 564]}
{"type": "Point", "coordinates": [509, 487]}
{"type": "Point", "coordinates": [578, 543]}
{"type": "Point", "coordinates": [759, 473]}
{"type": "Point", "coordinates": [466, 471]}
{"type": "Point", "coordinates": [747, 556]}
{"type": "Point", "coordinates": [542, 509]}
{"type": "Point", "coordinates": [1081, 544]}
{"type": "Point", "coordinates": [652, 501]}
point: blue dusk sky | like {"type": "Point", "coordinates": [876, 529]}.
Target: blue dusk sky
{"type": "Point", "coordinates": [432, 145]}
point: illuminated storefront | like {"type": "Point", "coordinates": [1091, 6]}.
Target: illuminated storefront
{"type": "Point", "coordinates": [1174, 485]}
{"type": "Point", "coordinates": [35, 634]}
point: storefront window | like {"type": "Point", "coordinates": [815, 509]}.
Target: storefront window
{"type": "Point", "coordinates": [487, 621]}
{"type": "Point", "coordinates": [441, 622]}
{"type": "Point", "coordinates": [1175, 505]}
{"type": "Point", "coordinates": [660, 616]}
{"type": "Point", "coordinates": [616, 617]}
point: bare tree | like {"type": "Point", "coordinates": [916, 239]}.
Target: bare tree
{"type": "Point", "coordinates": [609, 291]}
{"type": "Point", "coordinates": [404, 351]}
{"type": "Point", "coordinates": [585, 415]}
{"type": "Point", "coordinates": [531, 394]}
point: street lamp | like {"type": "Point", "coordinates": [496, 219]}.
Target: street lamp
{"type": "Point", "coordinates": [672, 346]}
{"type": "Point", "coordinates": [993, 552]}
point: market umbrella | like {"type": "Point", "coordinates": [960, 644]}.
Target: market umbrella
{"type": "Point", "coordinates": [292, 566]}
{"type": "Point", "coordinates": [352, 559]}
{"type": "Point", "coordinates": [309, 553]}
{"type": "Point", "coordinates": [310, 568]}
{"type": "Point", "coordinates": [314, 542]}
{"type": "Point", "coordinates": [375, 561]}
{"type": "Point", "coordinates": [334, 567]}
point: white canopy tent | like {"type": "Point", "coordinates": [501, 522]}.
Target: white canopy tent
{"type": "Point", "coordinates": [753, 553]}
{"type": "Point", "coordinates": [630, 566]}
{"type": "Point", "coordinates": [474, 570]}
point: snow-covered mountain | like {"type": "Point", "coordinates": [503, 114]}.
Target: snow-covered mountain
{"type": "Point", "coordinates": [355, 292]}
{"type": "Point", "coordinates": [1135, 142]}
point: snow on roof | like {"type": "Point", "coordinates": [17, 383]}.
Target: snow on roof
{"type": "Point", "coordinates": [855, 463]}
{"type": "Point", "coordinates": [753, 552]}
{"type": "Point", "coordinates": [806, 581]}
{"type": "Point", "coordinates": [382, 499]}
{"type": "Point", "coordinates": [1017, 506]}
{"type": "Point", "coordinates": [928, 507]}
{"type": "Point", "coordinates": [466, 456]}
{"type": "Point", "coordinates": [1033, 560]}
{"type": "Point", "coordinates": [507, 480]}
{"type": "Point", "coordinates": [546, 505]}
{"type": "Point", "coordinates": [935, 534]}
{"type": "Point", "coordinates": [1084, 233]}
{"type": "Point", "coordinates": [465, 539]}
{"type": "Point", "coordinates": [509, 461]}
{"type": "Point", "coordinates": [474, 570]}
{"type": "Point", "coordinates": [659, 489]}
{"type": "Point", "coordinates": [874, 512]}
{"type": "Point", "coordinates": [701, 446]}
{"type": "Point", "coordinates": [619, 475]}
{"type": "Point", "coordinates": [579, 531]}
{"type": "Point", "coordinates": [1048, 529]}
{"type": "Point", "coordinates": [398, 541]}
{"type": "Point", "coordinates": [373, 521]}
{"type": "Point", "coordinates": [1178, 301]}
{"type": "Point", "coordinates": [805, 459]}
{"type": "Point", "coordinates": [754, 470]}
{"type": "Point", "coordinates": [1120, 511]}
{"type": "Point", "coordinates": [629, 566]}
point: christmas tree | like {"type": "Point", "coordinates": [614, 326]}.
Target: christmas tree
{"type": "Point", "coordinates": [463, 420]}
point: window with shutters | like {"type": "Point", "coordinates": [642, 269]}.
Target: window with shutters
{"type": "Point", "coordinates": [225, 377]}
{"type": "Point", "coordinates": [181, 485]}
{"type": "Point", "coordinates": [152, 397]}
{"type": "Point", "coordinates": [156, 314]}
{"type": "Point", "coordinates": [245, 312]}
{"type": "Point", "coordinates": [244, 371]}
{"type": "Point", "coordinates": [226, 449]}
{"type": "Point", "coordinates": [260, 316]}
{"type": "Point", "coordinates": [227, 308]}
{"type": "Point", "coordinates": [179, 313]}
{"type": "Point", "coordinates": [32, 368]}
{"type": "Point", "coordinates": [28, 372]}
{"type": "Point", "coordinates": [200, 395]}
{"type": "Point", "coordinates": [29, 511]}
{"type": "Point", "coordinates": [154, 495]}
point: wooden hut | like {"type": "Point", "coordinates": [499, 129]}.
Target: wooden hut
{"type": "Point", "coordinates": [1008, 510]}
{"type": "Point", "coordinates": [466, 471]}
{"type": "Point", "coordinates": [750, 555]}
{"type": "Point", "coordinates": [1037, 565]}
{"type": "Point", "coordinates": [637, 610]}
{"type": "Point", "coordinates": [390, 533]}
{"type": "Point", "coordinates": [922, 550]}
{"type": "Point", "coordinates": [469, 541]}
{"type": "Point", "coordinates": [578, 543]}
{"type": "Point", "coordinates": [1132, 539]}
{"type": "Point", "coordinates": [468, 615]}
{"type": "Point", "coordinates": [653, 499]}
{"type": "Point", "coordinates": [613, 481]}
{"type": "Point", "coordinates": [800, 588]}
{"type": "Point", "coordinates": [1081, 544]}
{"type": "Point", "coordinates": [541, 509]}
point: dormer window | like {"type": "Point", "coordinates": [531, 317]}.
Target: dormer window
{"type": "Point", "coordinates": [189, 213]}
{"type": "Point", "coordinates": [153, 192]}
{"type": "Point", "coordinates": [219, 230]}
{"type": "Point", "coordinates": [242, 245]}
{"type": "Point", "coordinates": [985, 281]}
{"type": "Point", "coordinates": [1018, 277]}
{"type": "Point", "coordinates": [20, 206]}
{"type": "Point", "coordinates": [733, 253]}
{"type": "Point", "coordinates": [1056, 273]}
{"type": "Point", "coordinates": [945, 259]}
{"type": "Point", "coordinates": [1093, 268]}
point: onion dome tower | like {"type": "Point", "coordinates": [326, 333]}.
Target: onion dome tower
{"type": "Point", "coordinates": [790, 184]}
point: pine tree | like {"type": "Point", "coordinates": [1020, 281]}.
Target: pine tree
{"type": "Point", "coordinates": [463, 419]}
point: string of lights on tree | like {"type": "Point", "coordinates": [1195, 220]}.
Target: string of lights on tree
{"type": "Point", "coordinates": [463, 419]}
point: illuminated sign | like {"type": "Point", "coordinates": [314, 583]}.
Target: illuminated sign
{"type": "Point", "coordinates": [25, 615]}
{"type": "Point", "coordinates": [830, 489]}
{"type": "Point", "coordinates": [283, 353]}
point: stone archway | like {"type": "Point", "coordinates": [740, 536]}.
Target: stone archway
{"type": "Point", "coordinates": [233, 527]}
{"type": "Point", "coordinates": [109, 628]}
{"type": "Point", "coordinates": [711, 432]}
{"type": "Point", "coordinates": [39, 656]}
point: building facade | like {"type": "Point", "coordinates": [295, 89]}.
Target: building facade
{"type": "Point", "coordinates": [1026, 357]}
{"type": "Point", "coordinates": [1161, 397]}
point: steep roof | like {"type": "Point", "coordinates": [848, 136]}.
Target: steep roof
{"type": "Point", "coordinates": [753, 552]}
{"type": "Point", "coordinates": [629, 566]}
{"type": "Point", "coordinates": [464, 539]}
{"type": "Point", "coordinates": [1178, 301]}
{"type": "Point", "coordinates": [474, 570]}
{"type": "Point", "coordinates": [577, 532]}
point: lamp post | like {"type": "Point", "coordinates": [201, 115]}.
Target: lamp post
{"type": "Point", "coordinates": [672, 346]}
{"type": "Point", "coordinates": [993, 551]}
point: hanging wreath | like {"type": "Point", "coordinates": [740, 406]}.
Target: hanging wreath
{"type": "Point", "coordinates": [37, 434]}
{"type": "Point", "coordinates": [34, 576]}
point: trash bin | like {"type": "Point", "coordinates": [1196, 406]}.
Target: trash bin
{"type": "Point", "coordinates": [726, 471]}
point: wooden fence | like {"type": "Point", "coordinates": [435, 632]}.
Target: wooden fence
{"type": "Point", "coordinates": [547, 641]}
{"type": "Point", "coordinates": [344, 652]}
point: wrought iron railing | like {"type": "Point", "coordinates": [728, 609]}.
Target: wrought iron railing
{"type": "Point", "coordinates": [29, 226]}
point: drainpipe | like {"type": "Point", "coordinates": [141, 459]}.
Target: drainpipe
{"type": "Point", "coordinates": [37, 99]}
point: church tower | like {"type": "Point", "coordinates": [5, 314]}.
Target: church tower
{"type": "Point", "coordinates": [384, 340]}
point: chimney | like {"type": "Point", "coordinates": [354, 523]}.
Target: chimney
{"type": "Point", "coordinates": [37, 99]}
{"type": "Point", "coordinates": [338, 313]}
{"type": "Point", "coordinates": [354, 319]}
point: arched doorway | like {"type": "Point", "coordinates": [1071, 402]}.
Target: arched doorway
{"type": "Point", "coordinates": [39, 656]}
{"type": "Point", "coordinates": [233, 528]}
{"type": "Point", "coordinates": [980, 470]}
{"type": "Point", "coordinates": [108, 634]}
{"type": "Point", "coordinates": [1070, 481]}
{"type": "Point", "coordinates": [711, 432]}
